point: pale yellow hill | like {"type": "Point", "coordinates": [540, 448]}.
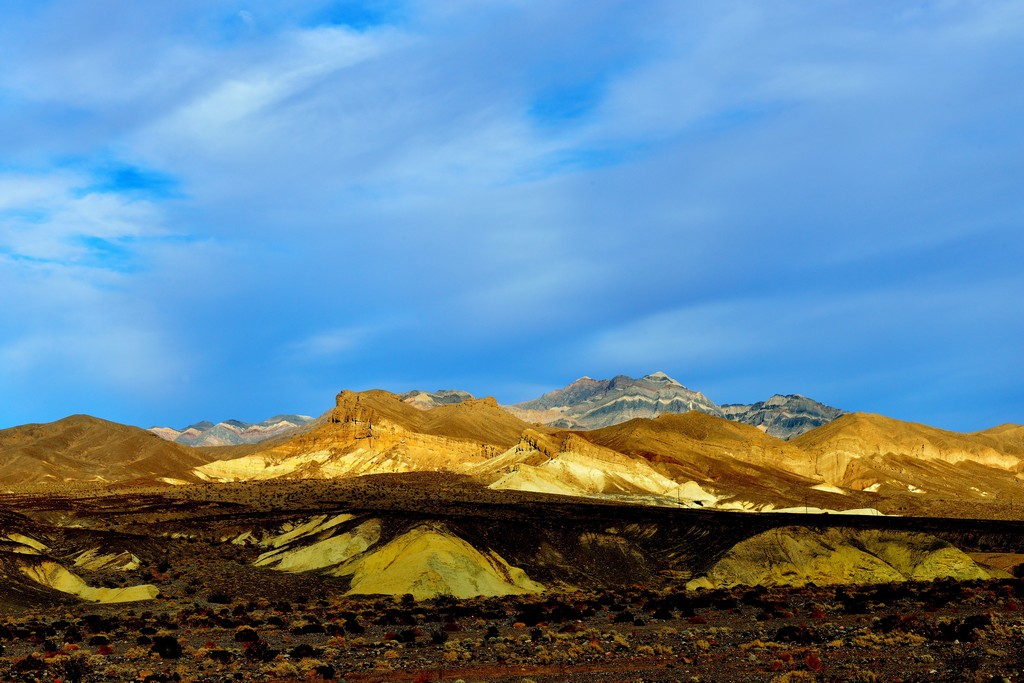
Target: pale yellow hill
{"type": "Point", "coordinates": [569, 464]}
{"type": "Point", "coordinates": [795, 556]}
{"type": "Point", "coordinates": [35, 564]}
{"type": "Point", "coordinates": [54, 575]}
{"type": "Point", "coordinates": [426, 561]}
{"type": "Point", "coordinates": [429, 561]}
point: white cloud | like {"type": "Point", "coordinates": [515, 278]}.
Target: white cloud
{"type": "Point", "coordinates": [328, 345]}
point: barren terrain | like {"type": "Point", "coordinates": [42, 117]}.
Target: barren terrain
{"type": "Point", "coordinates": [614, 608]}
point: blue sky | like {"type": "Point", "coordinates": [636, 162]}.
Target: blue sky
{"type": "Point", "coordinates": [214, 210]}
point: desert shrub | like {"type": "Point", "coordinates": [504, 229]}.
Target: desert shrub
{"type": "Point", "coordinates": [397, 617]}
{"type": "Point", "coordinates": [663, 613]}
{"type": "Point", "coordinates": [531, 615]}
{"type": "Point", "coordinates": [311, 626]}
{"type": "Point", "coordinates": [260, 651]}
{"type": "Point", "coordinates": [964, 630]}
{"type": "Point", "coordinates": [325, 671]}
{"type": "Point", "coordinates": [798, 633]}
{"type": "Point", "coordinates": [281, 670]}
{"type": "Point", "coordinates": [218, 597]}
{"type": "Point", "coordinates": [220, 656]}
{"type": "Point", "coordinates": [167, 647]}
{"type": "Point", "coordinates": [246, 634]}
{"type": "Point", "coordinates": [162, 678]}
{"type": "Point", "coordinates": [795, 677]}
{"type": "Point", "coordinates": [30, 663]}
{"type": "Point", "coordinates": [856, 674]}
{"type": "Point", "coordinates": [71, 669]}
{"type": "Point", "coordinates": [408, 635]}
{"type": "Point", "coordinates": [304, 651]}
{"type": "Point", "coordinates": [94, 623]}
{"type": "Point", "coordinates": [961, 661]}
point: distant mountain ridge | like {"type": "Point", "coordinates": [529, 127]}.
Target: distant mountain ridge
{"type": "Point", "coordinates": [233, 432]}
{"type": "Point", "coordinates": [585, 404]}
{"type": "Point", "coordinates": [592, 404]}
{"type": "Point", "coordinates": [425, 400]}
{"type": "Point", "coordinates": [786, 416]}
{"type": "Point", "coordinates": [858, 461]}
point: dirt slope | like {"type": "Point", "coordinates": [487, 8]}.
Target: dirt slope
{"type": "Point", "coordinates": [81, 448]}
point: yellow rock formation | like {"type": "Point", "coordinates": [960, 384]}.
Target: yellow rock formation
{"type": "Point", "coordinates": [429, 561]}
{"type": "Point", "coordinates": [55, 576]}
{"type": "Point", "coordinates": [94, 559]}
{"type": "Point", "coordinates": [330, 552]}
{"type": "Point", "coordinates": [797, 555]}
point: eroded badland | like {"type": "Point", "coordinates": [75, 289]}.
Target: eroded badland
{"type": "Point", "coordinates": [393, 541]}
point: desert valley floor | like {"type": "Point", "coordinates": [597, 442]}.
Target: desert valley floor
{"type": "Point", "coordinates": [615, 605]}
{"type": "Point", "coordinates": [586, 536]}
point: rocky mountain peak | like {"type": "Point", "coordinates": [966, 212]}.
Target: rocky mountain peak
{"type": "Point", "coordinates": [661, 377]}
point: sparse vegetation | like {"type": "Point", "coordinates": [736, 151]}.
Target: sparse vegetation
{"type": "Point", "coordinates": [219, 618]}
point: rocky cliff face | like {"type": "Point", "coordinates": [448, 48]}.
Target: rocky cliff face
{"type": "Point", "coordinates": [375, 432]}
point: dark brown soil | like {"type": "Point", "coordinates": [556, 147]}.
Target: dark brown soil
{"type": "Point", "coordinates": [219, 618]}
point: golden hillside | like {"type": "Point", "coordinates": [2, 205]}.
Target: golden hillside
{"type": "Point", "coordinates": [81, 448]}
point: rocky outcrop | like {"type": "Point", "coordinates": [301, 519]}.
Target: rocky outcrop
{"type": "Point", "coordinates": [783, 416]}
{"type": "Point", "coordinates": [796, 556]}
{"type": "Point", "coordinates": [426, 561]}
{"type": "Point", "coordinates": [425, 400]}
{"type": "Point", "coordinates": [590, 404]}
{"type": "Point", "coordinates": [429, 561]}
{"type": "Point", "coordinates": [54, 575]}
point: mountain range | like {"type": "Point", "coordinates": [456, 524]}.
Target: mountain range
{"type": "Point", "coordinates": [856, 461]}
{"type": "Point", "coordinates": [591, 404]}
{"type": "Point", "coordinates": [233, 432]}
{"type": "Point", "coordinates": [585, 404]}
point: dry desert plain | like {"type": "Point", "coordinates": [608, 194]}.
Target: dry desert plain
{"type": "Point", "coordinates": [614, 605]}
